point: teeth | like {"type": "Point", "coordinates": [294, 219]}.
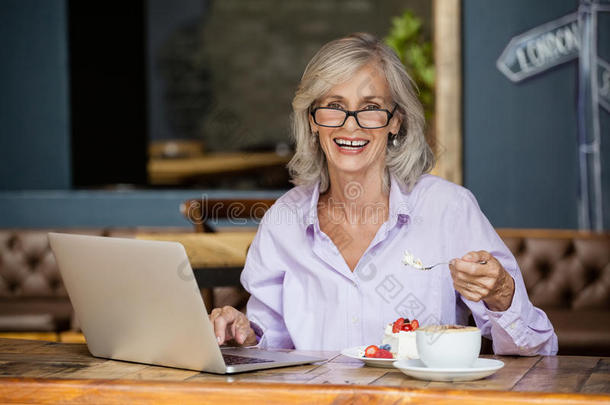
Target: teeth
{"type": "Point", "coordinates": [345, 142]}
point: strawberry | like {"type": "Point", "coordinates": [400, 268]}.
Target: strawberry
{"type": "Point", "coordinates": [414, 324]}
{"type": "Point", "coordinates": [371, 351]}
{"type": "Point", "coordinates": [384, 354]}
{"type": "Point", "coordinates": [398, 325]}
{"type": "Point", "coordinates": [407, 327]}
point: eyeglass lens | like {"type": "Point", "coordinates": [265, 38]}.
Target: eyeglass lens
{"type": "Point", "coordinates": [366, 119]}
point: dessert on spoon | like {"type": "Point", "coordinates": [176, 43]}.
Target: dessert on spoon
{"type": "Point", "coordinates": [410, 260]}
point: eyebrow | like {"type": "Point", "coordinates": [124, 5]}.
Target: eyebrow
{"type": "Point", "coordinates": [367, 98]}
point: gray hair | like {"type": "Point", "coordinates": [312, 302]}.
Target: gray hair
{"type": "Point", "coordinates": [335, 63]}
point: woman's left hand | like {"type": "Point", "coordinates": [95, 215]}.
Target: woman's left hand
{"type": "Point", "coordinates": [476, 281]}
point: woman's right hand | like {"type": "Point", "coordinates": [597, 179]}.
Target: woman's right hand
{"type": "Point", "coordinates": [232, 326]}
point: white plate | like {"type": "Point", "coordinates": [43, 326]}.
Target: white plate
{"type": "Point", "coordinates": [369, 361]}
{"type": "Point", "coordinates": [481, 369]}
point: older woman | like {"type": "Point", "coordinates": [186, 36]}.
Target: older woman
{"type": "Point", "coordinates": [325, 269]}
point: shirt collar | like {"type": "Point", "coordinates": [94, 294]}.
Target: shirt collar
{"type": "Point", "coordinates": [399, 204]}
{"type": "Point", "coordinates": [311, 215]}
{"type": "Point", "coordinates": [398, 212]}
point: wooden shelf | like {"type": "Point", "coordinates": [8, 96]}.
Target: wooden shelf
{"type": "Point", "coordinates": [177, 171]}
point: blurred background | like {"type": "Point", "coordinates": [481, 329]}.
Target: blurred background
{"type": "Point", "coordinates": [145, 99]}
{"type": "Point", "coordinates": [115, 114]}
{"type": "Point", "coordinates": [148, 98]}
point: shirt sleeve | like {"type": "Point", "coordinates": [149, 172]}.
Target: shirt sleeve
{"type": "Point", "coordinates": [522, 329]}
{"type": "Point", "coordinates": [263, 278]}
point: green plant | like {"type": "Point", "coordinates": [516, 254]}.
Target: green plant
{"type": "Point", "coordinates": [415, 52]}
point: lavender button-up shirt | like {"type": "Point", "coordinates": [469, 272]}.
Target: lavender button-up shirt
{"type": "Point", "coordinates": [304, 296]}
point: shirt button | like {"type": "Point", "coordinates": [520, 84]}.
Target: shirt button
{"type": "Point", "coordinates": [355, 320]}
{"type": "Point", "coordinates": [355, 284]}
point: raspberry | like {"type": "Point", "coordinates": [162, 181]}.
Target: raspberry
{"type": "Point", "coordinates": [397, 325]}
{"type": "Point", "coordinates": [384, 354]}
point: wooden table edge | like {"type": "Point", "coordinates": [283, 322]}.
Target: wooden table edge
{"type": "Point", "coordinates": [47, 391]}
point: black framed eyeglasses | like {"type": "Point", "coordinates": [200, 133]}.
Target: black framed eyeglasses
{"type": "Point", "coordinates": [366, 119]}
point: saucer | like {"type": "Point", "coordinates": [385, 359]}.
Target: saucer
{"type": "Point", "coordinates": [482, 368]}
{"type": "Point", "coordinates": [352, 352]}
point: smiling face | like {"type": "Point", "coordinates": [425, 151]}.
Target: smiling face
{"type": "Point", "coordinates": [350, 149]}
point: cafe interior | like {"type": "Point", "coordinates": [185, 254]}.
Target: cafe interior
{"type": "Point", "coordinates": [163, 120]}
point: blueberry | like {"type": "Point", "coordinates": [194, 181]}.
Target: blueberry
{"type": "Point", "coordinates": [386, 347]}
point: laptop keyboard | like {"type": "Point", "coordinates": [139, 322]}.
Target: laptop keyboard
{"type": "Point", "coordinates": [232, 360]}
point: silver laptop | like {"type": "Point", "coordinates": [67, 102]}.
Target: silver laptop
{"type": "Point", "coordinates": [138, 301]}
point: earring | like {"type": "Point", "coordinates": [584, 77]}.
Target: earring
{"type": "Point", "coordinates": [394, 138]}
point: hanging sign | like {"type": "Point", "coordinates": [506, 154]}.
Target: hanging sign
{"type": "Point", "coordinates": [552, 44]}
{"type": "Point", "coordinates": [541, 48]}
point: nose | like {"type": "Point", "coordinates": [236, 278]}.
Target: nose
{"type": "Point", "coordinates": [351, 124]}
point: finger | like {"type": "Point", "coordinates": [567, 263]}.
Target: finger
{"type": "Point", "coordinates": [467, 290]}
{"type": "Point", "coordinates": [214, 314]}
{"type": "Point", "coordinates": [229, 332]}
{"type": "Point", "coordinates": [481, 287]}
{"type": "Point", "coordinates": [223, 324]}
{"type": "Point", "coordinates": [471, 257]}
{"type": "Point", "coordinates": [471, 287]}
{"type": "Point", "coordinates": [468, 267]}
{"type": "Point", "coordinates": [239, 334]}
{"type": "Point", "coordinates": [220, 329]}
{"type": "Point", "coordinates": [461, 274]}
{"type": "Point", "coordinates": [234, 331]}
{"type": "Point", "coordinates": [246, 333]}
{"type": "Point", "coordinates": [471, 296]}
{"type": "Point", "coordinates": [241, 328]}
{"type": "Point", "coordinates": [232, 316]}
{"type": "Point", "coordinates": [230, 313]}
{"type": "Point", "coordinates": [485, 256]}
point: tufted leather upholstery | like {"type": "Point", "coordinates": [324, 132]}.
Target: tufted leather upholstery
{"type": "Point", "coordinates": [567, 273]}
{"type": "Point", "coordinates": [563, 269]}
{"type": "Point", "coordinates": [32, 296]}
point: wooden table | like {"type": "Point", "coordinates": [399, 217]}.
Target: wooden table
{"type": "Point", "coordinates": [210, 250]}
{"type": "Point", "coordinates": [46, 372]}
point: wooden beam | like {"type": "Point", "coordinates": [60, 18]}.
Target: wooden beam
{"type": "Point", "coordinates": [448, 89]}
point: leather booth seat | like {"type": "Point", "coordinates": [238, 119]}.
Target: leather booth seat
{"type": "Point", "coordinates": [567, 274]}
{"type": "Point", "coordinates": [32, 295]}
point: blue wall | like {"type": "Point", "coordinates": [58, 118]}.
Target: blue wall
{"type": "Point", "coordinates": [34, 106]}
{"type": "Point", "coordinates": [520, 140]}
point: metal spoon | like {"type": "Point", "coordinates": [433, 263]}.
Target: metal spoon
{"type": "Point", "coordinates": [438, 264]}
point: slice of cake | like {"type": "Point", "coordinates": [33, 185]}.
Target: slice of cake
{"type": "Point", "coordinates": [400, 336]}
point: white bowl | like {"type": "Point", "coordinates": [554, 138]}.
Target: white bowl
{"type": "Point", "coordinates": [446, 347]}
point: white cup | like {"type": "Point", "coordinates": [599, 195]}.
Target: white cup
{"type": "Point", "coordinates": [448, 346]}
